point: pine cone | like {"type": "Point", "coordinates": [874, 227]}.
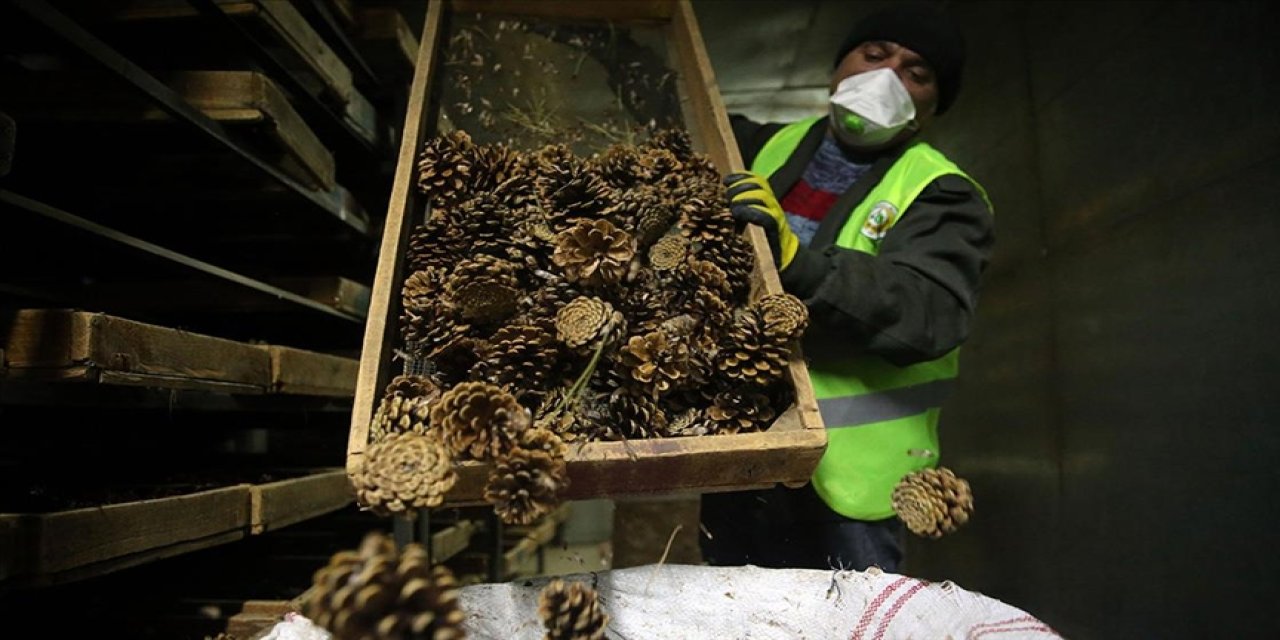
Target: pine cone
{"type": "Point", "coordinates": [933, 502]}
{"type": "Point", "coordinates": [748, 355]}
{"type": "Point", "coordinates": [734, 255]}
{"type": "Point", "coordinates": [736, 412]}
{"type": "Point", "coordinates": [648, 210]}
{"type": "Point", "coordinates": [527, 480]}
{"type": "Point", "coordinates": [690, 422]}
{"type": "Point", "coordinates": [429, 328]}
{"type": "Point", "coordinates": [585, 321]}
{"type": "Point", "coordinates": [375, 592]}
{"type": "Point", "coordinates": [519, 356]}
{"type": "Point", "coordinates": [445, 167]}
{"type": "Point", "coordinates": [676, 141]}
{"type": "Point", "coordinates": [594, 253]}
{"type": "Point", "coordinates": [618, 166]}
{"type": "Point", "coordinates": [785, 317]}
{"type": "Point", "coordinates": [421, 287]}
{"type": "Point", "coordinates": [549, 299]}
{"type": "Point", "coordinates": [402, 473]}
{"type": "Point", "coordinates": [571, 611]}
{"type": "Point", "coordinates": [494, 165]}
{"type": "Point", "coordinates": [636, 415]}
{"type": "Point", "coordinates": [478, 420]}
{"type": "Point", "coordinates": [572, 193]}
{"type": "Point", "coordinates": [655, 360]}
{"type": "Point", "coordinates": [405, 407]}
{"type": "Point", "coordinates": [482, 220]}
{"type": "Point", "coordinates": [669, 253]}
{"type": "Point", "coordinates": [705, 224]}
{"type": "Point", "coordinates": [660, 166]}
{"type": "Point", "coordinates": [484, 288]}
{"type": "Point", "coordinates": [436, 244]}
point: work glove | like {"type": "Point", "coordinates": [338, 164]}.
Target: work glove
{"type": "Point", "coordinates": [751, 200]}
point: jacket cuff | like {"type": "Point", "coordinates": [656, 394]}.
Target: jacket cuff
{"type": "Point", "coordinates": [805, 273]}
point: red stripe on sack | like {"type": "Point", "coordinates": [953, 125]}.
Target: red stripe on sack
{"type": "Point", "coordinates": [870, 611]}
{"type": "Point", "coordinates": [804, 200]}
{"type": "Point", "coordinates": [1039, 627]}
{"type": "Point", "coordinates": [897, 606]}
{"type": "Point", "coordinates": [986, 625]}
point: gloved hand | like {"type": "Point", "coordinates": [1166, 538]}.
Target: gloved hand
{"type": "Point", "coordinates": [751, 200]}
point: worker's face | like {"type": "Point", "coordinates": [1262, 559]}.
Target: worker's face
{"type": "Point", "coordinates": [916, 74]}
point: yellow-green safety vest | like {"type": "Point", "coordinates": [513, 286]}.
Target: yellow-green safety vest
{"type": "Point", "coordinates": [882, 419]}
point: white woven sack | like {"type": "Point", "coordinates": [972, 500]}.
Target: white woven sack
{"type": "Point", "coordinates": [717, 603]}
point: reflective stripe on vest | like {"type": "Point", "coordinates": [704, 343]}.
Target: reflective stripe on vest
{"type": "Point", "coordinates": [882, 418]}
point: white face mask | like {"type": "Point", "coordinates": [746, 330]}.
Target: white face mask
{"type": "Point", "coordinates": [870, 108]}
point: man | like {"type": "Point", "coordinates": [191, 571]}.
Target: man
{"type": "Point", "coordinates": [885, 240]}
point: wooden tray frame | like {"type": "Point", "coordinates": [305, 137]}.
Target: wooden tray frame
{"type": "Point", "coordinates": [787, 453]}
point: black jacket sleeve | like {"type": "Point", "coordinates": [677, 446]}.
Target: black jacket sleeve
{"type": "Point", "coordinates": [751, 136]}
{"type": "Point", "coordinates": [915, 300]}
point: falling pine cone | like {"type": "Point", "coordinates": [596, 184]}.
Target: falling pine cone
{"type": "Point", "coordinates": [933, 502]}
{"type": "Point", "coordinates": [668, 253]}
{"type": "Point", "coordinates": [478, 420]}
{"type": "Point", "coordinates": [445, 167]}
{"type": "Point", "coordinates": [594, 253]}
{"type": "Point", "coordinates": [584, 322]}
{"type": "Point", "coordinates": [405, 407]}
{"type": "Point", "coordinates": [377, 592]}
{"type": "Point", "coordinates": [571, 611]}
{"type": "Point", "coordinates": [656, 360]}
{"type": "Point", "coordinates": [526, 481]}
{"type": "Point", "coordinates": [402, 473]}
{"type": "Point", "coordinates": [785, 317]}
{"type": "Point", "coordinates": [738, 412]}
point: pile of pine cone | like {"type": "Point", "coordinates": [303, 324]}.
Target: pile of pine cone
{"type": "Point", "coordinates": [933, 502]}
{"type": "Point", "coordinates": [553, 299]}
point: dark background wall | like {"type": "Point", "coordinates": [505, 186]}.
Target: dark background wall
{"type": "Point", "coordinates": [1116, 412]}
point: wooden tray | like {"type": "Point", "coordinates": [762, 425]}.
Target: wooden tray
{"type": "Point", "coordinates": [786, 453]}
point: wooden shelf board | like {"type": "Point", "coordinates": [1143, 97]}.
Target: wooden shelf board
{"type": "Point", "coordinates": [71, 545]}
{"type": "Point", "coordinates": [280, 504]}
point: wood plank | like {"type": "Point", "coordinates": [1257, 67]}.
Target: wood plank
{"type": "Point", "coordinates": [246, 96]}
{"type": "Point", "coordinates": [241, 99]}
{"type": "Point", "coordinates": [526, 549]}
{"type": "Point", "coordinates": [77, 345]}
{"type": "Point", "coordinates": [387, 41]}
{"type": "Point", "coordinates": [452, 540]}
{"type": "Point", "coordinates": [632, 11]}
{"type": "Point", "coordinates": [280, 504]}
{"type": "Point", "coordinates": [283, 24]}
{"type": "Point", "coordinates": [786, 453]}
{"type": "Point", "coordinates": [345, 295]}
{"type": "Point", "coordinates": [380, 328]}
{"type": "Point", "coordinates": [71, 544]}
{"type": "Point", "coordinates": [92, 240]}
{"type": "Point", "coordinates": [299, 372]}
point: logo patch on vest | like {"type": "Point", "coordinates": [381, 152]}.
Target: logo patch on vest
{"type": "Point", "coordinates": [882, 215]}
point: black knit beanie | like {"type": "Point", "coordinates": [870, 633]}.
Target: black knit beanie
{"type": "Point", "coordinates": [923, 29]}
